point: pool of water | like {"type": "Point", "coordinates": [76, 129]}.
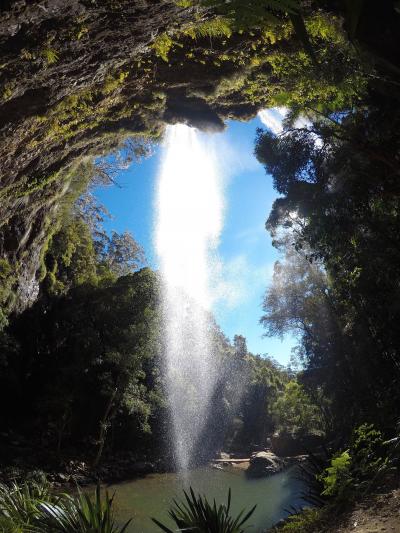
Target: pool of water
{"type": "Point", "coordinates": [151, 496]}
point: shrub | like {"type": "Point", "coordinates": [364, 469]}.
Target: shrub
{"type": "Point", "coordinates": [304, 522]}
{"type": "Point", "coordinates": [367, 450]}
{"type": "Point", "coordinates": [197, 514]}
{"type": "Point", "coordinates": [19, 504]}
{"type": "Point", "coordinates": [358, 467]}
{"type": "Point", "coordinates": [337, 478]}
{"type": "Point", "coordinates": [32, 507]}
{"type": "Point", "coordinates": [78, 514]}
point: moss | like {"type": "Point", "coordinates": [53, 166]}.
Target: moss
{"type": "Point", "coordinates": [49, 55]}
{"type": "Point", "coordinates": [51, 227]}
{"type": "Point", "coordinates": [184, 3]}
{"type": "Point", "coordinates": [114, 81]}
{"type": "Point", "coordinates": [8, 91]}
{"type": "Point", "coordinates": [8, 278]}
{"type": "Point", "coordinates": [36, 184]}
{"type": "Point", "coordinates": [80, 29]}
{"type": "Point", "coordinates": [84, 110]}
{"type": "Point", "coordinates": [230, 84]}
{"type": "Point", "coordinates": [27, 55]}
{"type": "Point", "coordinates": [5, 269]}
{"type": "Point", "coordinates": [162, 45]}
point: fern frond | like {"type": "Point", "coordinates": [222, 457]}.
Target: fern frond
{"type": "Point", "coordinates": [217, 27]}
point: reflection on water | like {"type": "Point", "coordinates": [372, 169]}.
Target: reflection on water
{"type": "Point", "coordinates": [151, 496]}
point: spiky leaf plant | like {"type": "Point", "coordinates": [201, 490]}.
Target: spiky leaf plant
{"type": "Point", "coordinates": [197, 514]}
{"type": "Point", "coordinates": [71, 514]}
{"type": "Point", "coordinates": [19, 504]}
{"type": "Point", "coordinates": [31, 507]}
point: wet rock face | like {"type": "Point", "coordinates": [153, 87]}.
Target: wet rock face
{"type": "Point", "coordinates": [194, 112]}
{"type": "Point", "coordinates": [61, 94]}
{"type": "Point", "coordinates": [75, 78]}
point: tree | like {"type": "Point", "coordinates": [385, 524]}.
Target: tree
{"type": "Point", "coordinates": [239, 344]}
{"type": "Point", "coordinates": [339, 208]}
{"type": "Point", "coordinates": [82, 359]}
{"type": "Point", "coordinates": [70, 259]}
{"type": "Point", "coordinates": [121, 254]}
{"type": "Point", "coordinates": [295, 413]}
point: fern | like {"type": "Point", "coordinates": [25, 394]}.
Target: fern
{"type": "Point", "coordinates": [217, 27]}
{"type": "Point", "coordinates": [49, 55]}
{"type": "Point", "coordinates": [253, 13]}
{"type": "Point", "coordinates": [261, 14]}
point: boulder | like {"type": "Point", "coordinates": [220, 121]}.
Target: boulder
{"type": "Point", "coordinates": [264, 464]}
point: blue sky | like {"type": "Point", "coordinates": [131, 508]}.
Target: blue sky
{"type": "Point", "coordinates": [245, 251]}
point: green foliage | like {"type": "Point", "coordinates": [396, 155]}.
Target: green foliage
{"type": "Point", "coordinates": [255, 13]}
{"type": "Point", "coordinates": [19, 505]}
{"type": "Point", "coordinates": [70, 259]}
{"type": "Point", "coordinates": [337, 478]}
{"type": "Point", "coordinates": [91, 354]}
{"type": "Point", "coordinates": [49, 55]}
{"type": "Point", "coordinates": [339, 204]}
{"type": "Point", "coordinates": [113, 82]}
{"type": "Point", "coordinates": [33, 507]}
{"type": "Point", "coordinates": [81, 513]}
{"type": "Point", "coordinates": [162, 45]}
{"type": "Point", "coordinates": [197, 514]}
{"type": "Point", "coordinates": [119, 253]}
{"type": "Point", "coordinates": [368, 453]}
{"type": "Point", "coordinates": [85, 110]}
{"type": "Point", "coordinates": [7, 280]}
{"type": "Point", "coordinates": [295, 413]}
{"type": "Point", "coordinates": [358, 467]}
{"type": "Point", "coordinates": [184, 3]}
{"type": "Point", "coordinates": [217, 27]}
{"type": "Point", "coordinates": [306, 521]}
{"type": "Point", "coordinates": [264, 380]}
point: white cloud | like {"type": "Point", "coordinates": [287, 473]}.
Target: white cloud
{"type": "Point", "coordinates": [252, 236]}
{"type": "Point", "coordinates": [233, 160]}
{"type": "Point", "coordinates": [237, 281]}
{"type": "Point", "coordinates": [273, 118]}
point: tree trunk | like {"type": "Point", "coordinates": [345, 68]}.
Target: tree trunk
{"type": "Point", "coordinates": [103, 428]}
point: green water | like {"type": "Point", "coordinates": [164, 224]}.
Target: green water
{"type": "Point", "coordinates": [151, 496]}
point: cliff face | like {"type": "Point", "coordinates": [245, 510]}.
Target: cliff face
{"type": "Point", "coordinates": [78, 76]}
{"type": "Point", "coordinates": [69, 80]}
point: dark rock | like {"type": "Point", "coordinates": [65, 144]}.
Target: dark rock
{"type": "Point", "coordinates": [194, 112]}
{"type": "Point", "coordinates": [264, 464]}
{"type": "Point", "coordinates": [287, 445]}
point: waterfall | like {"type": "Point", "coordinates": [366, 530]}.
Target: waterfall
{"type": "Point", "coordinates": [188, 223]}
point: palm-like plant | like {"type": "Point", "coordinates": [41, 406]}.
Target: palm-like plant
{"type": "Point", "coordinates": [71, 514]}
{"type": "Point", "coordinates": [19, 504]}
{"type": "Point", "coordinates": [197, 514]}
{"type": "Point", "coordinates": [31, 507]}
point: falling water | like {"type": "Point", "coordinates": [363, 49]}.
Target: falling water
{"type": "Point", "coordinates": [189, 218]}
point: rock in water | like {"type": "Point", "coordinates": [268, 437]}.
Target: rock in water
{"type": "Point", "coordinates": [264, 464]}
